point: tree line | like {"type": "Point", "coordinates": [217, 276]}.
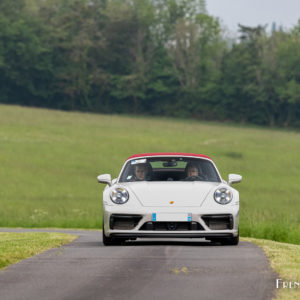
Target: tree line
{"type": "Point", "coordinates": [154, 57]}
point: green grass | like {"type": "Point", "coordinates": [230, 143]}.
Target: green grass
{"type": "Point", "coordinates": [49, 161]}
{"type": "Point", "coordinates": [285, 260]}
{"type": "Point", "coordinates": [17, 246]}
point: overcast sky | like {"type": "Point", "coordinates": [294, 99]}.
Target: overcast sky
{"type": "Point", "coordinates": [255, 12]}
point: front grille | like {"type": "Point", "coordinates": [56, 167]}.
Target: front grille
{"type": "Point", "coordinates": [218, 222]}
{"type": "Point", "coordinates": [171, 226]}
{"type": "Point", "coordinates": [124, 222]}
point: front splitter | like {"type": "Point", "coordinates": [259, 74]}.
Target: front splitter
{"type": "Point", "coordinates": [172, 235]}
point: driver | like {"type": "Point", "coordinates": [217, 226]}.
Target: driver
{"type": "Point", "coordinates": [193, 173]}
{"type": "Point", "coordinates": [192, 170]}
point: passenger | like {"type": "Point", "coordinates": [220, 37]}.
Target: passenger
{"type": "Point", "coordinates": [141, 172]}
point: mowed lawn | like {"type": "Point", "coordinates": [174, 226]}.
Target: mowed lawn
{"type": "Point", "coordinates": [49, 161]}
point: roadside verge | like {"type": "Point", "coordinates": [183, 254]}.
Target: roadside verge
{"type": "Point", "coordinates": [15, 247]}
{"type": "Point", "coordinates": [285, 260]}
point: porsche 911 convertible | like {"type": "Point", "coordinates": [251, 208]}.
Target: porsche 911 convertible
{"type": "Point", "coordinates": [170, 195]}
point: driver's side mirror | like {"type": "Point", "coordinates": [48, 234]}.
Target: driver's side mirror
{"type": "Point", "coordinates": [234, 178]}
{"type": "Point", "coordinates": [104, 178]}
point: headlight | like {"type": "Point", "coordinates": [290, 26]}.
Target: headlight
{"type": "Point", "coordinates": [119, 195]}
{"type": "Point", "coordinates": [223, 195]}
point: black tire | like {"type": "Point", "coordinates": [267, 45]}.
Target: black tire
{"type": "Point", "coordinates": [110, 241]}
{"type": "Point", "coordinates": [231, 241]}
{"type": "Point", "coordinates": [227, 241]}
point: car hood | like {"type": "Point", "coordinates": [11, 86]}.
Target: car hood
{"type": "Point", "coordinates": [175, 194]}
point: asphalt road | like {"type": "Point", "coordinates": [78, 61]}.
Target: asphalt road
{"type": "Point", "coordinates": [152, 269]}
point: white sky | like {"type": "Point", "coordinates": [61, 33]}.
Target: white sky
{"type": "Point", "coordinates": [255, 12]}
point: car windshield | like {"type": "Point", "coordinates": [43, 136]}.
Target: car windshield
{"type": "Point", "coordinates": [169, 169]}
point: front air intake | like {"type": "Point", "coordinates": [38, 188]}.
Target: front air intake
{"type": "Point", "coordinates": [171, 226]}
{"type": "Point", "coordinates": [218, 222]}
{"type": "Point", "coordinates": [124, 222]}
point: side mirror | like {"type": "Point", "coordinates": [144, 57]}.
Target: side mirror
{"type": "Point", "coordinates": [104, 178]}
{"type": "Point", "coordinates": [234, 178]}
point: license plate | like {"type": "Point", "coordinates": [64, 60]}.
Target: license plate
{"type": "Point", "coordinates": [172, 217]}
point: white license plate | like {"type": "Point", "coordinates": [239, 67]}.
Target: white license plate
{"type": "Point", "coordinates": [172, 217]}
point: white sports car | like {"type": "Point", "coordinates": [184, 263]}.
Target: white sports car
{"type": "Point", "coordinates": [170, 195]}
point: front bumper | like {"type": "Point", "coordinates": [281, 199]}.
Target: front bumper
{"type": "Point", "coordinates": [122, 223]}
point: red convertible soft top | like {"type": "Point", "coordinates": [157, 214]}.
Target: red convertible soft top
{"type": "Point", "coordinates": [168, 153]}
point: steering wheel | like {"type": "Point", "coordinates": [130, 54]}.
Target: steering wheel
{"type": "Point", "coordinates": [194, 178]}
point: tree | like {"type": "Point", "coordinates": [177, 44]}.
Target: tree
{"type": "Point", "coordinates": [132, 49]}
{"type": "Point", "coordinates": [25, 63]}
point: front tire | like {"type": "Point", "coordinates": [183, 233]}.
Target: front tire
{"type": "Point", "coordinates": [233, 241]}
{"type": "Point", "coordinates": [110, 241]}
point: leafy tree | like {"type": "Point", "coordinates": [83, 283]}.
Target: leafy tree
{"type": "Point", "coordinates": [25, 64]}
{"type": "Point", "coordinates": [166, 57]}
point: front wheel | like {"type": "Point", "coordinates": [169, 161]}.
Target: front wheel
{"type": "Point", "coordinates": [110, 241]}
{"type": "Point", "coordinates": [227, 241]}
{"type": "Point", "coordinates": [231, 241]}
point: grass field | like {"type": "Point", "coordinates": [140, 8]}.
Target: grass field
{"type": "Point", "coordinates": [49, 161]}
{"type": "Point", "coordinates": [17, 246]}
